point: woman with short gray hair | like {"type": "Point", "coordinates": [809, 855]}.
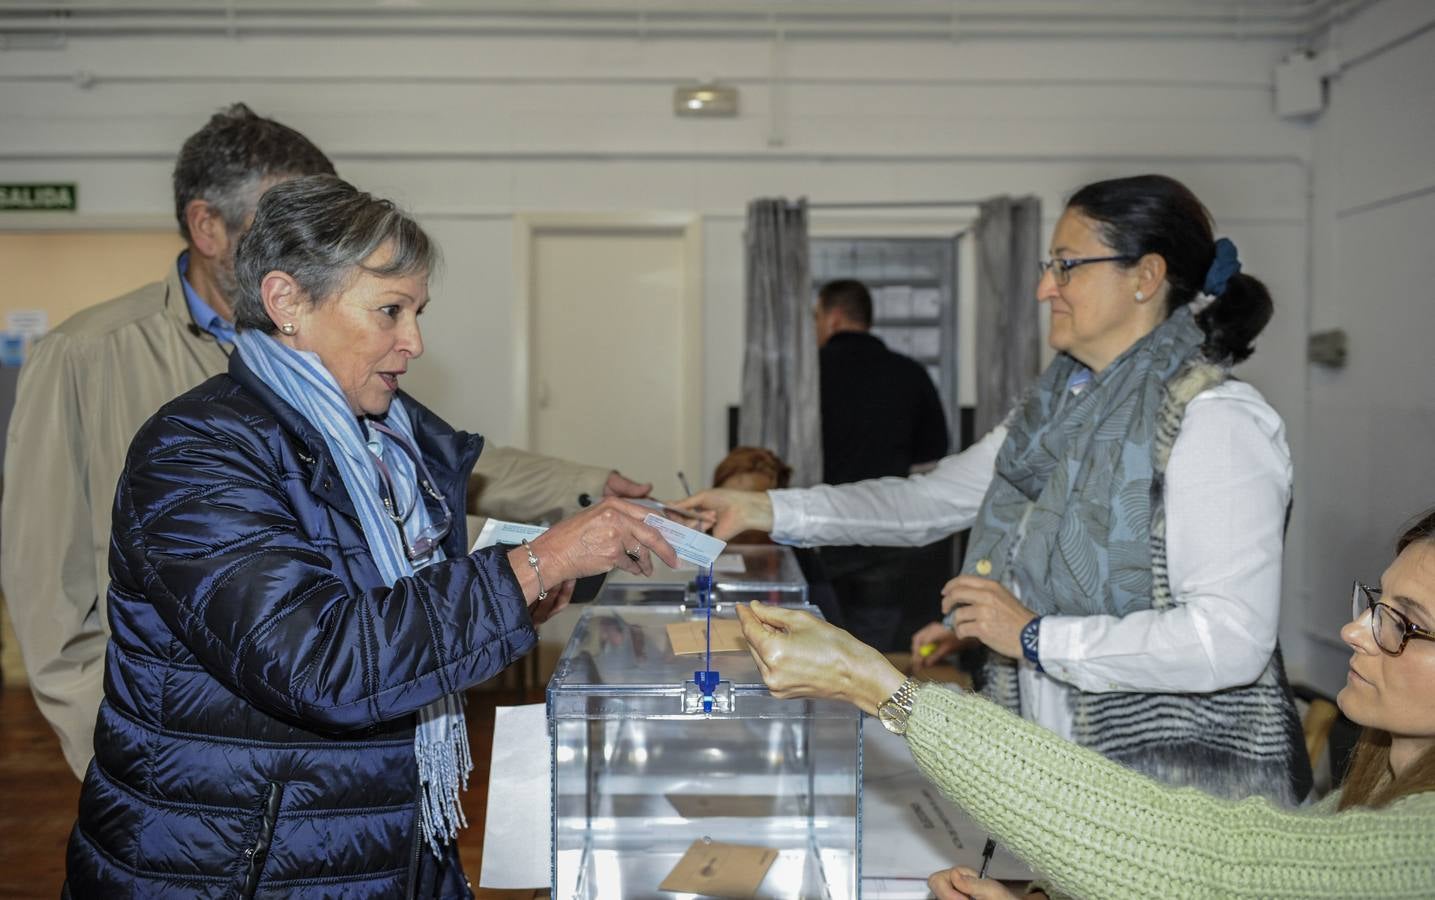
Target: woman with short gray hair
{"type": "Point", "coordinates": [294, 614]}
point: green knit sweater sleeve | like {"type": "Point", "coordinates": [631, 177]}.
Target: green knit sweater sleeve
{"type": "Point", "coordinates": [1094, 828]}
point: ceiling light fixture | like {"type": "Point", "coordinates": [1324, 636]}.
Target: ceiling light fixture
{"type": "Point", "coordinates": [706, 100]}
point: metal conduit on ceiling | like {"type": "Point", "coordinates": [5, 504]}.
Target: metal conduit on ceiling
{"type": "Point", "coordinates": [788, 19]}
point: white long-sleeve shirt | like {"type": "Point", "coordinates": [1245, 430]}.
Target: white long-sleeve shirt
{"type": "Point", "coordinates": [1227, 488]}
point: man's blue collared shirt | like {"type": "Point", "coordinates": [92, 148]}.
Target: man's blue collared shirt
{"type": "Point", "coordinates": [203, 314]}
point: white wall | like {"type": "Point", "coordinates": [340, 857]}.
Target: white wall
{"type": "Point", "coordinates": [468, 131]}
{"type": "Point", "coordinates": [1371, 424]}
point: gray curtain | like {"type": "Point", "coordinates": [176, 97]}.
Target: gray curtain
{"type": "Point", "coordinates": [780, 390]}
{"type": "Point", "coordinates": [1008, 246]}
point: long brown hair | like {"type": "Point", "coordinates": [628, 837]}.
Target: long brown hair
{"type": "Point", "coordinates": [1368, 781]}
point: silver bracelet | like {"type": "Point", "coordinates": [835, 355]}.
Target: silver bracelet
{"type": "Point", "coordinates": [533, 564]}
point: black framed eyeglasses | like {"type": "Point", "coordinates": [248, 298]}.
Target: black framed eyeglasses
{"type": "Point", "coordinates": [1060, 268]}
{"type": "Point", "coordinates": [432, 534]}
{"type": "Point", "coordinates": [1391, 628]}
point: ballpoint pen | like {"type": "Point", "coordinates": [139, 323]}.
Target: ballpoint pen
{"type": "Point", "coordinates": [683, 480]}
{"type": "Point", "coordinates": [650, 503]}
{"type": "Point", "coordinates": [988, 849]}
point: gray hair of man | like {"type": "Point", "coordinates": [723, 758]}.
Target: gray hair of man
{"type": "Point", "coordinates": [225, 162]}
{"type": "Point", "coordinates": [321, 231]}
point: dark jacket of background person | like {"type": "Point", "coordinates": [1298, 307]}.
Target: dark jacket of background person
{"type": "Point", "coordinates": [880, 416]}
{"type": "Point", "coordinates": [880, 411]}
{"type": "Point", "coordinates": [257, 734]}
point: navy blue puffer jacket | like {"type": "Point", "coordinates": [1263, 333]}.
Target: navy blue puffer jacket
{"type": "Point", "coordinates": [256, 738]}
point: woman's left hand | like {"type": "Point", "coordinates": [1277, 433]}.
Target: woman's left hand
{"type": "Point", "coordinates": [800, 655]}
{"type": "Point", "coordinates": [962, 883]}
{"type": "Point", "coordinates": [988, 612]}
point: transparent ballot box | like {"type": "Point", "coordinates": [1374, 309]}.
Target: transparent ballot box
{"type": "Point", "coordinates": [641, 772]}
{"type": "Point", "coordinates": [766, 572]}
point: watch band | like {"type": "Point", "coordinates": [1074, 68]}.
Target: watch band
{"type": "Point", "coordinates": [1031, 643]}
{"type": "Point", "coordinates": [897, 709]}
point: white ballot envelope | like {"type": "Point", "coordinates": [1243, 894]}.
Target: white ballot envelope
{"type": "Point", "coordinates": [497, 531]}
{"type": "Point", "coordinates": [702, 550]}
{"type": "Point", "coordinates": [516, 837]}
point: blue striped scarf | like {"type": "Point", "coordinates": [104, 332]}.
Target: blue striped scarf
{"type": "Point", "coordinates": [301, 380]}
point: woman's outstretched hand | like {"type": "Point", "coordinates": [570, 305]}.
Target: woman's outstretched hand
{"type": "Point", "coordinates": [727, 512]}
{"type": "Point", "coordinates": [800, 655]}
{"type": "Point", "coordinates": [610, 535]}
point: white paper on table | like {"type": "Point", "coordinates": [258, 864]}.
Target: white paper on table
{"type": "Point", "coordinates": [497, 531]}
{"type": "Point", "coordinates": [895, 889]}
{"type": "Point", "coordinates": [909, 830]}
{"type": "Point", "coordinates": [516, 837]}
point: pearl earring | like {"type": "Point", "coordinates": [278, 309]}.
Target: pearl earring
{"type": "Point", "coordinates": [1140, 297]}
{"type": "Point", "coordinates": [288, 328]}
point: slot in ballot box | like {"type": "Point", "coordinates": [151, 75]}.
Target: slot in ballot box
{"type": "Point", "coordinates": [640, 774]}
{"type": "Point", "coordinates": [743, 572]}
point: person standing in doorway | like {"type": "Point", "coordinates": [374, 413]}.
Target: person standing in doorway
{"type": "Point", "coordinates": [880, 416]}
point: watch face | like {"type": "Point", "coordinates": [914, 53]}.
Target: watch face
{"type": "Point", "coordinates": [891, 718]}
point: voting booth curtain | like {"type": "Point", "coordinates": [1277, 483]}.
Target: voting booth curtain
{"type": "Point", "coordinates": [1007, 236]}
{"type": "Point", "coordinates": [781, 402]}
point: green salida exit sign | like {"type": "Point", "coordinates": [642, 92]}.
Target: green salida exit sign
{"type": "Point", "coordinates": [29, 197]}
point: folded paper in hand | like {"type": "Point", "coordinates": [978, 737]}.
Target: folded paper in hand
{"type": "Point", "coordinates": [702, 550]}
{"type": "Point", "coordinates": [497, 531]}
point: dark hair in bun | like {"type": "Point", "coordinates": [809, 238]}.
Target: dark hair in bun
{"type": "Point", "coordinates": [1156, 214]}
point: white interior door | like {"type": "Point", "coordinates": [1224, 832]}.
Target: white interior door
{"type": "Point", "coordinates": [609, 374]}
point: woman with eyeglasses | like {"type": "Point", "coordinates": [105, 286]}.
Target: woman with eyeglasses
{"type": "Point", "coordinates": [1092, 828]}
{"type": "Point", "coordinates": [295, 612]}
{"type": "Point", "coordinates": [1124, 564]}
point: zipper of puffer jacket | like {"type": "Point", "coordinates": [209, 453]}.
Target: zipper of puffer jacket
{"type": "Point", "coordinates": [260, 850]}
{"type": "Point", "coordinates": [418, 839]}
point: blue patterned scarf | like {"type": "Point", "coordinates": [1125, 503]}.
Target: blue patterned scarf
{"type": "Point", "coordinates": [1067, 519]}
{"type": "Point", "coordinates": [302, 381]}
{"type": "Point", "coordinates": [1075, 521]}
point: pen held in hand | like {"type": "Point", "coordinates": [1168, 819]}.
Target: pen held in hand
{"type": "Point", "coordinates": [586, 500]}
{"type": "Point", "coordinates": [988, 849]}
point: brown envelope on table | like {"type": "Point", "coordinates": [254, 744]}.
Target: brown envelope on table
{"type": "Point", "coordinates": [690, 638]}
{"type": "Point", "coordinates": [720, 870]}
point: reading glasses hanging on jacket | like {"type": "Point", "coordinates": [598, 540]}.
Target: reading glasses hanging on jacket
{"type": "Point", "coordinates": [422, 546]}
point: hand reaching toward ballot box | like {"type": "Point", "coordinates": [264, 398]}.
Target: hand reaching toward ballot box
{"type": "Point", "coordinates": [727, 512]}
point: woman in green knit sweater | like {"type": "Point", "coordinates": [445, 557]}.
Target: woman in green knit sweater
{"type": "Point", "coordinates": [1095, 829]}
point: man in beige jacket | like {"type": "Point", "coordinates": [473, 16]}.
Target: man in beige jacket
{"type": "Point", "coordinates": [92, 382]}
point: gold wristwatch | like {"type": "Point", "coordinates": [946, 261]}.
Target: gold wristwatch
{"type": "Point", "coordinates": [897, 709]}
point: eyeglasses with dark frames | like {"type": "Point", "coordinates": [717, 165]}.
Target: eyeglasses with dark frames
{"type": "Point", "coordinates": [1060, 268]}
{"type": "Point", "coordinates": [432, 534]}
{"type": "Point", "coordinates": [1391, 628]}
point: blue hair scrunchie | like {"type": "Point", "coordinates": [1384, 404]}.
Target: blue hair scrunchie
{"type": "Point", "coordinates": [1226, 264]}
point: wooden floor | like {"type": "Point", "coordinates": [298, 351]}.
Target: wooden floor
{"type": "Point", "coordinates": [38, 796]}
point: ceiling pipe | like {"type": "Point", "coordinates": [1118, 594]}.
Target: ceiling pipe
{"type": "Point", "coordinates": [898, 19]}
